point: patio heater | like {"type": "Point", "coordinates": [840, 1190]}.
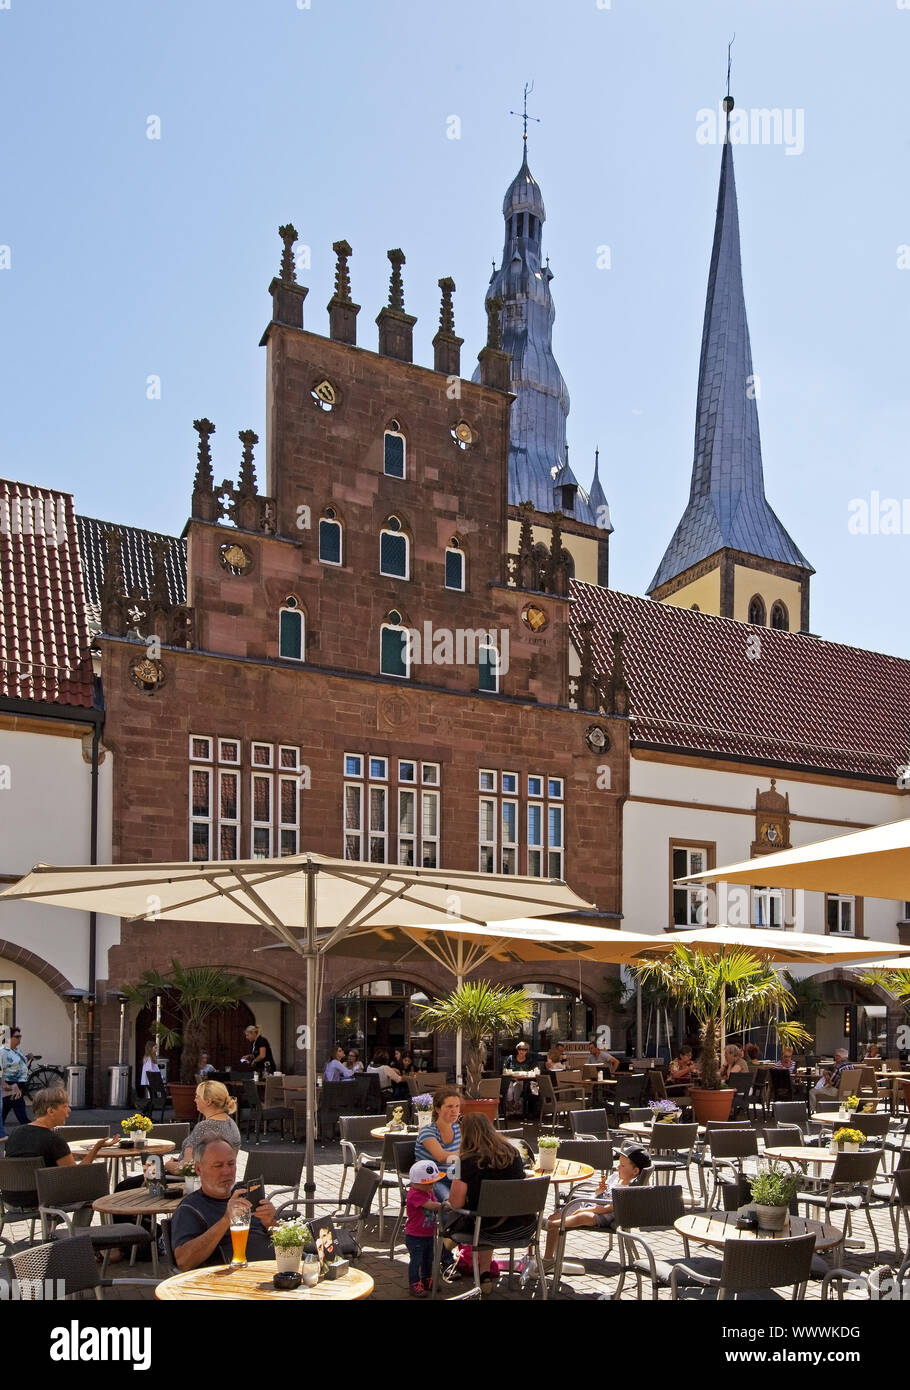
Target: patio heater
{"type": "Point", "coordinates": [119, 1076]}
{"type": "Point", "coordinates": [75, 1074]}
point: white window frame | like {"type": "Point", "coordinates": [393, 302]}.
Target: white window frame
{"type": "Point", "coordinates": [430, 774]}
{"type": "Point", "coordinates": [508, 849]}
{"type": "Point", "coordinates": [408, 838]}
{"type": "Point", "coordinates": [493, 784]}
{"type": "Point", "coordinates": [406, 652]}
{"type": "Point", "coordinates": [348, 833]}
{"type": "Point", "coordinates": [293, 749]}
{"type": "Point", "coordinates": [538, 792]}
{"type": "Point", "coordinates": [199, 757]}
{"type": "Point", "coordinates": [515, 783]}
{"type": "Point", "coordinates": [555, 782]}
{"type": "Point", "coordinates": [763, 913]}
{"type": "Point", "coordinates": [413, 765]}
{"type": "Point", "coordinates": [556, 848]}
{"type": "Point", "coordinates": [207, 772]}
{"type": "Point", "coordinates": [257, 824]}
{"type": "Point", "coordinates": [396, 434]}
{"type": "Point", "coordinates": [230, 762]}
{"type": "Point", "coordinates": [299, 614]}
{"type": "Point", "coordinates": [454, 550]}
{"type": "Point", "coordinates": [260, 766]}
{"type": "Point", "coordinates": [230, 822]}
{"type": "Point", "coordinates": [843, 900]}
{"type": "Point", "coordinates": [399, 535]}
{"type": "Point", "coordinates": [427, 841]}
{"type": "Point", "coordinates": [484, 843]}
{"type": "Point", "coordinates": [286, 827]}
{"type": "Point", "coordinates": [697, 898]}
{"type": "Point", "coordinates": [330, 521]}
{"type": "Point", "coordinates": [378, 838]}
{"type": "Point", "coordinates": [359, 759]}
{"type": "Point", "coordinates": [382, 776]}
{"type": "Point", "coordinates": [488, 645]}
{"type": "Point", "coordinates": [536, 847]}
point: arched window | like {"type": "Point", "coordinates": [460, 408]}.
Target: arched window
{"type": "Point", "coordinates": [454, 565]}
{"type": "Point", "coordinates": [780, 618]}
{"type": "Point", "coordinates": [393, 451]}
{"type": "Point", "coordinates": [757, 610]}
{"type": "Point", "coordinates": [291, 631]}
{"type": "Point", "coordinates": [330, 548]}
{"type": "Point", "coordinates": [394, 648]}
{"type": "Point", "coordinates": [488, 665]}
{"type": "Point", "coordinates": [394, 556]}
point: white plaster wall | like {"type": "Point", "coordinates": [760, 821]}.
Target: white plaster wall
{"type": "Point", "coordinates": [45, 817]}
{"type": "Point", "coordinates": [45, 1022]}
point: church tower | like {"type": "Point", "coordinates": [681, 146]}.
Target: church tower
{"type": "Point", "coordinates": [730, 554]}
{"type": "Point", "coordinates": [539, 469]}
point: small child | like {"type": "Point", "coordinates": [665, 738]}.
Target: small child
{"type": "Point", "coordinates": [422, 1209]}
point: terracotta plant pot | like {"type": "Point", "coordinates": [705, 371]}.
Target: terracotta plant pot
{"type": "Point", "coordinates": [183, 1099]}
{"type": "Point", "coordinates": [490, 1108]}
{"type": "Point", "coordinates": [710, 1105]}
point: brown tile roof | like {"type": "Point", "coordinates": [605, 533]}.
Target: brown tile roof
{"type": "Point", "coordinates": [44, 641]}
{"type": "Point", "coordinates": [700, 684]}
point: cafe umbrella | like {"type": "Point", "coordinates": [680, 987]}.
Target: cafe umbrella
{"type": "Point", "coordinates": [325, 899]}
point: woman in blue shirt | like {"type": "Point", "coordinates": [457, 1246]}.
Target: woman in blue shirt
{"type": "Point", "coordinates": [14, 1066]}
{"type": "Point", "coordinates": [441, 1140]}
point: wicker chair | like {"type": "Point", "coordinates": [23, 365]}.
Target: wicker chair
{"type": "Point", "coordinates": [729, 1149]}
{"type": "Point", "coordinates": [514, 1210]}
{"type": "Point", "coordinates": [66, 1194]}
{"type": "Point", "coordinates": [260, 1115]}
{"type": "Point", "coordinates": [849, 1189]}
{"type": "Point", "coordinates": [672, 1150]}
{"type": "Point", "coordinates": [71, 1262]}
{"type": "Point", "coordinates": [356, 1130]}
{"type": "Point", "coordinates": [17, 1179]}
{"type": "Point", "coordinates": [73, 1132]}
{"type": "Point", "coordinates": [589, 1124]}
{"type": "Point", "coordinates": [283, 1170]}
{"type": "Point", "coordinates": [403, 1150]}
{"type": "Point", "coordinates": [176, 1132]}
{"type": "Point", "coordinates": [750, 1265]}
{"type": "Point", "coordinates": [638, 1210]}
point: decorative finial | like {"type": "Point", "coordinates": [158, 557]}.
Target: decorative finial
{"type": "Point", "coordinates": [446, 311]}
{"type": "Point", "coordinates": [396, 286]}
{"type": "Point", "coordinates": [596, 461]}
{"type": "Point", "coordinates": [247, 487]}
{"type": "Point", "coordinates": [342, 276]}
{"type": "Point", "coordinates": [494, 325]}
{"type": "Point", "coordinates": [204, 481]}
{"type": "Point", "coordinates": [728, 100]}
{"type": "Point", "coordinates": [524, 113]}
{"type": "Point", "coordinates": [288, 235]}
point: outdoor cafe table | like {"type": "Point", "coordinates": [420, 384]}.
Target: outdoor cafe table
{"type": "Point", "coordinates": [410, 1132]}
{"type": "Point", "coordinates": [115, 1154]}
{"type": "Point", "coordinates": [716, 1227]}
{"type": "Point", "coordinates": [803, 1154]}
{"type": "Point", "coordinates": [644, 1131]}
{"type": "Point", "coordinates": [830, 1117]}
{"type": "Point", "coordinates": [254, 1280]}
{"type": "Point", "coordinates": [136, 1202]}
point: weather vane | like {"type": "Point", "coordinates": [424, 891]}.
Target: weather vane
{"type": "Point", "coordinates": [729, 62]}
{"type": "Point", "coordinates": [524, 113]}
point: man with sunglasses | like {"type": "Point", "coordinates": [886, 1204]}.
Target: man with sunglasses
{"type": "Point", "coordinates": [14, 1070]}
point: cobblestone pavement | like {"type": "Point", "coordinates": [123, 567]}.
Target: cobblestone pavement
{"type": "Point", "coordinates": [597, 1267]}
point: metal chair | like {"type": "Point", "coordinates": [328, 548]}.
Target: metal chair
{"type": "Point", "coordinates": [355, 1208]}
{"type": "Point", "coordinates": [753, 1265]}
{"type": "Point", "coordinates": [589, 1124]}
{"type": "Point", "coordinates": [672, 1149]}
{"type": "Point", "coordinates": [640, 1114]}
{"type": "Point", "coordinates": [335, 1098]}
{"type": "Point", "coordinates": [72, 1132]}
{"type": "Point", "coordinates": [159, 1096]}
{"type": "Point", "coordinates": [896, 1196]}
{"type": "Point", "coordinates": [403, 1150]}
{"type": "Point", "coordinates": [66, 1194]}
{"type": "Point", "coordinates": [387, 1173]}
{"type": "Point", "coordinates": [356, 1130]}
{"type": "Point", "coordinates": [729, 1148]}
{"type": "Point", "coordinates": [782, 1136]}
{"type": "Point", "coordinates": [514, 1210]}
{"type": "Point", "coordinates": [284, 1170]}
{"type": "Point", "coordinates": [639, 1210]}
{"type": "Point", "coordinates": [67, 1264]}
{"type": "Point", "coordinates": [17, 1180]}
{"type": "Point", "coordinates": [874, 1126]}
{"type": "Point", "coordinates": [848, 1189]}
{"type": "Point", "coordinates": [741, 1083]}
{"type": "Point", "coordinates": [556, 1102]}
{"type": "Point", "coordinates": [260, 1115]}
{"type": "Point", "coordinates": [791, 1112]}
{"type": "Point", "coordinates": [176, 1132]}
{"type": "Point", "coordinates": [626, 1093]}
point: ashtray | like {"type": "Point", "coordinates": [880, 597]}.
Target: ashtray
{"type": "Point", "coordinates": [286, 1280]}
{"type": "Point", "coordinates": [127, 1144]}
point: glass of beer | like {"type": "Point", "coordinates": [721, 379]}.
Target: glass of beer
{"type": "Point", "coordinates": [240, 1230]}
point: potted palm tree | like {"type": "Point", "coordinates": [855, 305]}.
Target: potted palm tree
{"type": "Point", "coordinates": [197, 991]}
{"type": "Point", "coordinates": [733, 988]}
{"type": "Point", "coordinates": [477, 1009]}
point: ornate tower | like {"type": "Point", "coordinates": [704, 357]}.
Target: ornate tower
{"type": "Point", "coordinates": [730, 554]}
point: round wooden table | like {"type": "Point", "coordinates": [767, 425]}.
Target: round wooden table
{"type": "Point", "coordinates": [643, 1131]}
{"type": "Point", "coordinates": [116, 1155]}
{"type": "Point", "coordinates": [801, 1153]}
{"type": "Point", "coordinates": [409, 1132]}
{"type": "Point", "coordinates": [255, 1281]}
{"type": "Point", "coordinates": [137, 1202]}
{"type": "Point", "coordinates": [837, 1121]}
{"type": "Point", "coordinates": [716, 1227]}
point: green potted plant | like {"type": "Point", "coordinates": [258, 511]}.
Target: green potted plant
{"type": "Point", "coordinates": [547, 1145]}
{"type": "Point", "coordinates": [288, 1239]}
{"type": "Point", "coordinates": [663, 1112]}
{"type": "Point", "coordinates": [197, 992]}
{"type": "Point", "coordinates": [136, 1128]}
{"type": "Point", "coordinates": [847, 1140]}
{"type": "Point", "coordinates": [190, 1180]}
{"type": "Point", "coordinates": [773, 1190]}
{"type": "Point", "coordinates": [477, 1010]}
{"type": "Point", "coordinates": [849, 1106]}
{"type": "Point", "coordinates": [733, 989]}
{"type": "Point", "coordinates": [422, 1109]}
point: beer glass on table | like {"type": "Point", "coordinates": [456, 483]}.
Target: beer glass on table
{"type": "Point", "coordinates": [240, 1230]}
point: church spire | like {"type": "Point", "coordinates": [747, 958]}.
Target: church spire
{"type": "Point", "coordinates": [727, 509]}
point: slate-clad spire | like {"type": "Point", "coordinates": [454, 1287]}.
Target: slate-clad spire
{"type": "Point", "coordinates": [727, 505]}
{"type": "Point", "coordinates": [538, 465]}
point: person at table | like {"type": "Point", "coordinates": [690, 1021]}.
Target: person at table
{"type": "Point", "coordinates": [389, 1076]}
{"type": "Point", "coordinates": [598, 1057]}
{"type": "Point", "coordinates": [485, 1157]}
{"type": "Point", "coordinates": [440, 1140]}
{"type": "Point", "coordinates": [14, 1069]}
{"type": "Point", "coordinates": [734, 1062]}
{"type": "Point", "coordinates": [682, 1068]}
{"type": "Point", "coordinates": [217, 1107]}
{"type": "Point", "coordinates": [201, 1225]}
{"type": "Point", "coordinates": [750, 1055]}
{"type": "Point", "coordinates": [520, 1059]}
{"type": "Point", "coordinates": [38, 1140]}
{"type": "Point", "coordinates": [872, 1053]}
{"type": "Point", "coordinates": [260, 1049]}
{"type": "Point", "coordinates": [556, 1059]}
{"type": "Point", "coordinates": [632, 1171]}
{"type": "Point", "coordinates": [352, 1061]}
{"type": "Point", "coordinates": [786, 1062]}
{"type": "Point", "coordinates": [336, 1068]}
{"type": "Point", "coordinates": [827, 1086]}
{"type": "Point", "coordinates": [205, 1067]}
{"type": "Point", "coordinates": [407, 1067]}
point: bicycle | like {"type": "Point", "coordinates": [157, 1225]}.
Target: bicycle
{"type": "Point", "coordinates": [39, 1078]}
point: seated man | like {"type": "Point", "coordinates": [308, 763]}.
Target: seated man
{"type": "Point", "coordinates": [682, 1068]}
{"type": "Point", "coordinates": [634, 1163]}
{"type": "Point", "coordinates": [826, 1087]}
{"type": "Point", "coordinates": [598, 1057]}
{"type": "Point", "coordinates": [38, 1140]}
{"type": "Point", "coordinates": [200, 1230]}
{"type": "Point", "coordinates": [336, 1068]}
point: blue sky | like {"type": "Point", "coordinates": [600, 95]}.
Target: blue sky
{"type": "Point", "coordinates": [132, 257]}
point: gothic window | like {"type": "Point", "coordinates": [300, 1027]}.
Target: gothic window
{"type": "Point", "coordinates": [394, 652]}
{"type": "Point", "coordinates": [330, 550]}
{"type": "Point", "coordinates": [531, 224]}
{"type": "Point", "coordinates": [394, 550]}
{"type": "Point", "coordinates": [568, 491]}
{"type": "Point", "coordinates": [780, 618]}
{"type": "Point", "coordinates": [454, 565]}
{"type": "Point", "coordinates": [757, 610]}
{"type": "Point", "coordinates": [394, 451]}
{"type": "Point", "coordinates": [291, 631]}
{"type": "Point", "coordinates": [488, 666]}
{"type": "Point", "coordinates": [521, 224]}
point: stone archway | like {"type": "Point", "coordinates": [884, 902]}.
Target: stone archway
{"type": "Point", "coordinates": [36, 965]}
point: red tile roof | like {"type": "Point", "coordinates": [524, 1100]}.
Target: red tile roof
{"type": "Point", "coordinates": [44, 641]}
{"type": "Point", "coordinates": [701, 684]}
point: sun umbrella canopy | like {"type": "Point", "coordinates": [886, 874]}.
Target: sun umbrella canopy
{"type": "Point", "coordinates": [871, 863]}
{"type": "Point", "coordinates": [783, 946]}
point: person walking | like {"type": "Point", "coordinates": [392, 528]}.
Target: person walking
{"type": "Point", "coordinates": [14, 1069]}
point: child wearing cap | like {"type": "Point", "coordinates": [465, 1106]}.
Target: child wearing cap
{"type": "Point", "coordinates": [632, 1171]}
{"type": "Point", "coordinates": [422, 1208]}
